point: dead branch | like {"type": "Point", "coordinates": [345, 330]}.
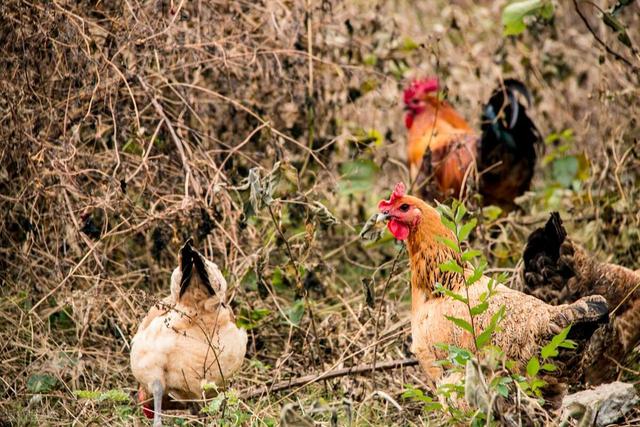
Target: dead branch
{"type": "Point", "coordinates": [273, 387]}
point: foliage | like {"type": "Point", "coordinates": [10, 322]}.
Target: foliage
{"type": "Point", "coordinates": [532, 383]}
{"type": "Point", "coordinates": [116, 396]}
{"type": "Point", "coordinates": [227, 408]}
{"type": "Point", "coordinates": [516, 12]}
{"type": "Point", "coordinates": [41, 383]}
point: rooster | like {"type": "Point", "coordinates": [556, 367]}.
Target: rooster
{"type": "Point", "coordinates": [558, 270]}
{"type": "Point", "coordinates": [189, 339]}
{"type": "Point", "coordinates": [528, 323]}
{"type": "Point", "coordinates": [441, 142]}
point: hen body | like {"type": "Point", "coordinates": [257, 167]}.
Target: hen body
{"type": "Point", "coordinates": [190, 338]}
{"type": "Point", "coordinates": [441, 143]}
{"type": "Point", "coordinates": [559, 270]}
{"type": "Point", "coordinates": [529, 323]}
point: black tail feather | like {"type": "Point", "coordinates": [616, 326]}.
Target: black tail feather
{"type": "Point", "coordinates": [505, 120]}
{"type": "Point", "coordinates": [545, 276]}
{"type": "Point", "coordinates": [507, 150]}
{"type": "Point", "coordinates": [545, 242]}
{"type": "Point", "coordinates": [190, 259]}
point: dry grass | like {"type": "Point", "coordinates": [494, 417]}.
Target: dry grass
{"type": "Point", "coordinates": [127, 125]}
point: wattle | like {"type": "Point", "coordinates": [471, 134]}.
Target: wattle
{"type": "Point", "coordinates": [399, 230]}
{"type": "Point", "coordinates": [408, 120]}
{"type": "Point", "coordinates": [146, 406]}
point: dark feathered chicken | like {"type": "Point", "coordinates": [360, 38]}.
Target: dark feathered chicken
{"type": "Point", "coordinates": [559, 271]}
{"type": "Point", "coordinates": [507, 154]}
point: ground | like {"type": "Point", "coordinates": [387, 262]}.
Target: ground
{"type": "Point", "coordinates": [129, 126]}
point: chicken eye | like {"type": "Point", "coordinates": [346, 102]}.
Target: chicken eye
{"type": "Point", "coordinates": [404, 207]}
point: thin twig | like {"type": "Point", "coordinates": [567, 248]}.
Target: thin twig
{"type": "Point", "coordinates": [612, 52]}
{"type": "Point", "coordinates": [384, 291]}
{"type": "Point", "coordinates": [273, 387]}
{"type": "Point", "coordinates": [178, 142]}
{"type": "Point", "coordinates": [298, 284]}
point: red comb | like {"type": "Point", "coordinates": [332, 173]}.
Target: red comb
{"type": "Point", "coordinates": [397, 193]}
{"type": "Point", "coordinates": [418, 87]}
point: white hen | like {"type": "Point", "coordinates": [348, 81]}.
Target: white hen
{"type": "Point", "coordinates": [189, 339]}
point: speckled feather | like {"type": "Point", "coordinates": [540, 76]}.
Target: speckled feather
{"type": "Point", "coordinates": [558, 270]}
{"type": "Point", "coordinates": [529, 322]}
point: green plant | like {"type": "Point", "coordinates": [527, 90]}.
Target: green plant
{"type": "Point", "coordinates": [453, 219]}
{"type": "Point", "coordinates": [41, 383]}
{"type": "Point", "coordinates": [227, 408]}
{"type": "Point", "coordinates": [533, 383]}
{"type": "Point", "coordinates": [417, 395]}
{"type": "Point", "coordinates": [514, 14]}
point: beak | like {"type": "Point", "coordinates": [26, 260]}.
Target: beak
{"type": "Point", "coordinates": [383, 217]}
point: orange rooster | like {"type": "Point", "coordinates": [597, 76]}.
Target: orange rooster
{"type": "Point", "coordinates": [528, 324]}
{"type": "Point", "coordinates": [190, 339]}
{"type": "Point", "coordinates": [441, 142]}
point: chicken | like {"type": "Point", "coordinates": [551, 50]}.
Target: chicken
{"type": "Point", "coordinates": [441, 142]}
{"type": "Point", "coordinates": [189, 339]}
{"type": "Point", "coordinates": [528, 323]}
{"type": "Point", "coordinates": [558, 270]}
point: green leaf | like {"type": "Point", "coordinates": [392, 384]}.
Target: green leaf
{"type": "Point", "coordinates": [533, 367]}
{"type": "Point", "coordinates": [466, 229]}
{"type": "Point", "coordinates": [451, 294]}
{"type": "Point", "coordinates": [87, 394]}
{"type": "Point", "coordinates": [502, 390]}
{"type": "Point", "coordinates": [451, 265]}
{"type": "Point", "coordinates": [548, 351]}
{"type": "Point", "coordinates": [358, 176]}
{"type": "Point", "coordinates": [295, 312]}
{"type": "Point", "coordinates": [449, 243]}
{"type": "Point", "coordinates": [561, 336]}
{"type": "Point", "coordinates": [445, 211]}
{"type": "Point", "coordinates": [480, 308]}
{"type": "Point", "coordinates": [277, 281]}
{"type": "Point", "coordinates": [564, 170]}
{"type": "Point", "coordinates": [41, 383]}
{"type": "Point", "coordinates": [537, 383]}
{"type": "Point", "coordinates": [549, 367]}
{"type": "Point", "coordinates": [115, 396]}
{"type": "Point", "coordinates": [432, 406]}
{"type": "Point", "coordinates": [568, 344]}
{"type": "Point", "coordinates": [460, 213]}
{"type": "Point", "coordinates": [484, 338]}
{"type": "Point", "coordinates": [449, 224]}
{"type": "Point", "coordinates": [250, 281]}
{"type": "Point", "coordinates": [408, 44]}
{"type": "Point", "coordinates": [470, 254]}
{"type": "Point", "coordinates": [514, 13]}
{"type": "Point", "coordinates": [491, 213]}
{"type": "Point", "coordinates": [249, 319]}
{"type": "Point", "coordinates": [461, 323]}
{"type": "Point", "coordinates": [475, 276]}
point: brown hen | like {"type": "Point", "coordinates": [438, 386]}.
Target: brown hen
{"type": "Point", "coordinates": [559, 271]}
{"type": "Point", "coordinates": [529, 323]}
